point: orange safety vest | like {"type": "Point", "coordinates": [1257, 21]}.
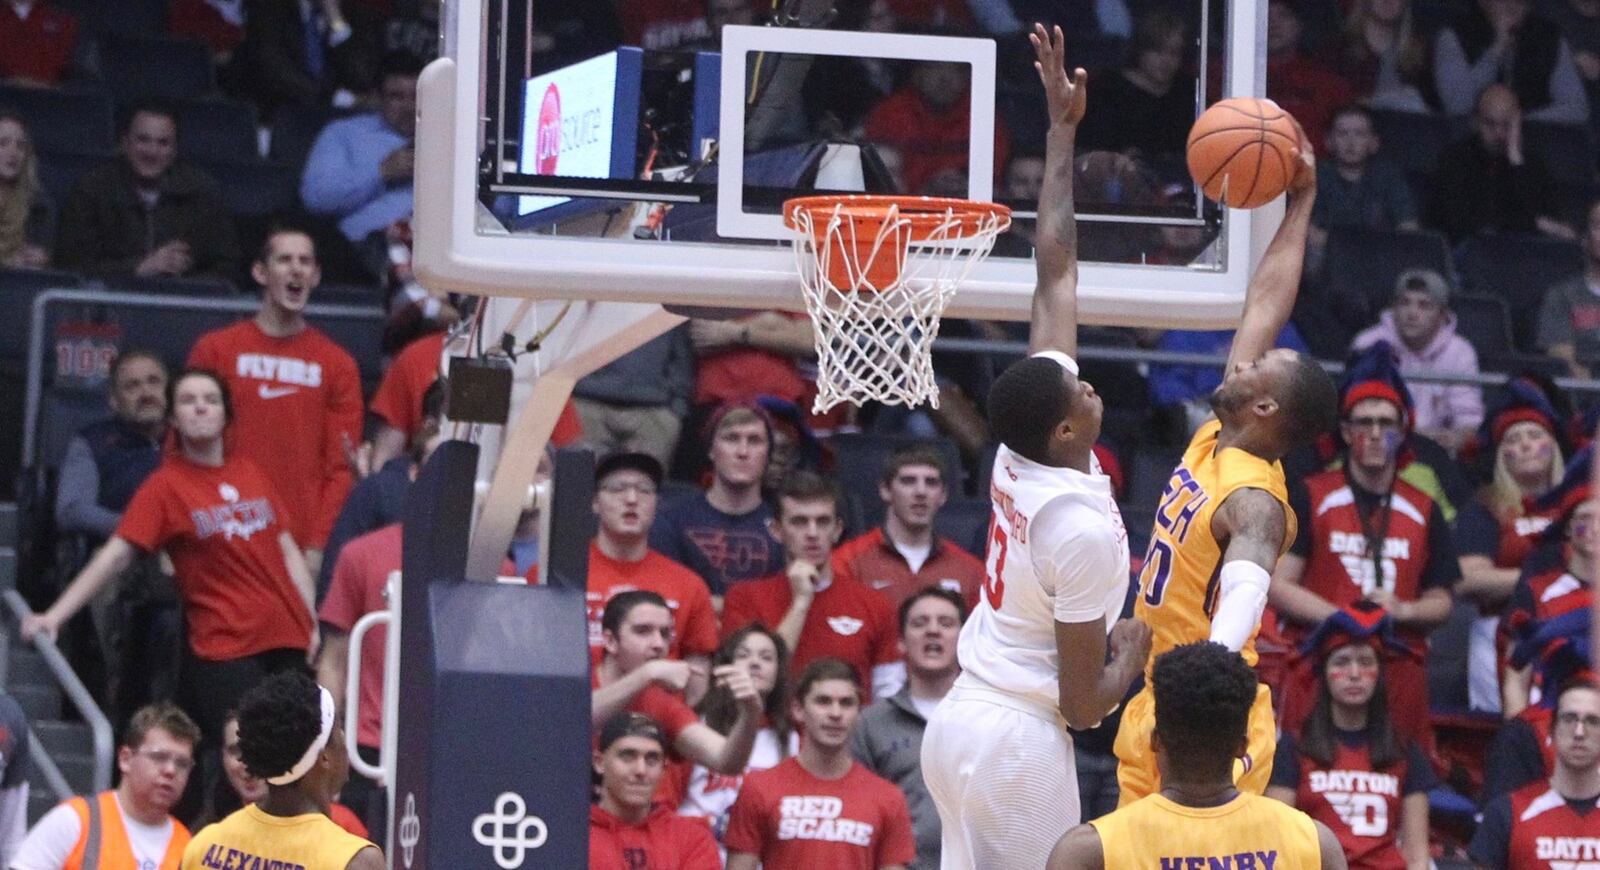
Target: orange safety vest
{"type": "Point", "coordinates": [103, 840]}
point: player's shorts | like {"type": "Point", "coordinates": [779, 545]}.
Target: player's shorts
{"type": "Point", "coordinates": [1004, 780]}
{"type": "Point", "coordinates": [1136, 764]}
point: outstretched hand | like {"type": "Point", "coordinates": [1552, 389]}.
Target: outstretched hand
{"type": "Point", "coordinates": [1305, 159]}
{"type": "Point", "coordinates": [1067, 98]}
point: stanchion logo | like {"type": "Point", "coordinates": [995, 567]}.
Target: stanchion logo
{"type": "Point", "coordinates": [410, 831]}
{"type": "Point", "coordinates": [509, 831]}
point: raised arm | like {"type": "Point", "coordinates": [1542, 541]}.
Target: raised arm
{"type": "Point", "coordinates": [1269, 299]}
{"type": "Point", "coordinates": [1252, 522]}
{"type": "Point", "coordinates": [1054, 324]}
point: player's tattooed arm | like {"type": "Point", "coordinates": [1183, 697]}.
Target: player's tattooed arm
{"type": "Point", "coordinates": [1078, 849]}
{"type": "Point", "coordinates": [1054, 324]}
{"type": "Point", "coordinates": [1252, 522]}
{"type": "Point", "coordinates": [1269, 298]}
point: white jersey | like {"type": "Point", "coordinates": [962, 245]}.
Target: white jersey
{"type": "Point", "coordinates": [1057, 552]}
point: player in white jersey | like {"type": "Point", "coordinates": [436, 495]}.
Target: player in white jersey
{"type": "Point", "coordinates": [996, 755]}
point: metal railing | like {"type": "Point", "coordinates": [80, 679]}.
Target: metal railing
{"type": "Point", "coordinates": [1166, 357]}
{"type": "Point", "coordinates": [37, 339]}
{"type": "Point", "coordinates": [78, 694]}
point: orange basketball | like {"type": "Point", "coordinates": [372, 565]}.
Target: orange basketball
{"type": "Point", "coordinates": [1241, 151]}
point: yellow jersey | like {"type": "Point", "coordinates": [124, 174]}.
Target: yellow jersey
{"type": "Point", "coordinates": [1178, 583]}
{"type": "Point", "coordinates": [253, 838]}
{"type": "Point", "coordinates": [1250, 832]}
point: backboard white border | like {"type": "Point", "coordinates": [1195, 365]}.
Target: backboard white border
{"type": "Point", "coordinates": [738, 43]}
{"type": "Point", "coordinates": [451, 253]}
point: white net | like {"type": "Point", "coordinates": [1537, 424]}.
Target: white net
{"type": "Point", "coordinates": [876, 279]}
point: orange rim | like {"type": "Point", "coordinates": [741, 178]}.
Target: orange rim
{"type": "Point", "coordinates": [923, 213]}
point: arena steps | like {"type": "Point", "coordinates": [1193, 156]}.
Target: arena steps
{"type": "Point", "coordinates": [27, 679]}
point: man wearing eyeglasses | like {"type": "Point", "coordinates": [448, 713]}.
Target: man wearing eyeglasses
{"type": "Point", "coordinates": [620, 559]}
{"type": "Point", "coordinates": [1367, 532]}
{"type": "Point", "coordinates": [1555, 822]}
{"type": "Point", "coordinates": [130, 827]}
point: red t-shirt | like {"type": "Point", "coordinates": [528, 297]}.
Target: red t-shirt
{"type": "Point", "coordinates": [359, 578]}
{"type": "Point", "coordinates": [664, 24]}
{"type": "Point", "coordinates": [693, 619]}
{"type": "Point", "coordinates": [221, 527]}
{"type": "Point", "coordinates": [38, 47]}
{"type": "Point", "coordinates": [740, 373]}
{"type": "Point", "coordinates": [930, 140]}
{"type": "Point", "coordinates": [846, 621]}
{"type": "Point", "coordinates": [664, 841]}
{"type": "Point", "coordinates": [297, 408]}
{"type": "Point", "coordinates": [398, 399]}
{"type": "Point", "coordinates": [346, 818]}
{"type": "Point", "coordinates": [668, 709]}
{"type": "Point", "coordinates": [795, 821]}
{"type": "Point", "coordinates": [873, 561]}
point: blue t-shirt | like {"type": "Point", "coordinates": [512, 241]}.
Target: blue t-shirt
{"type": "Point", "coordinates": [722, 548]}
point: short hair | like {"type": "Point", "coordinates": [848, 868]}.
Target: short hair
{"type": "Point", "coordinates": [148, 106]}
{"type": "Point", "coordinates": [738, 415]}
{"type": "Point", "coordinates": [1026, 403]}
{"type": "Point", "coordinates": [164, 715]}
{"type": "Point", "coordinates": [623, 603]}
{"type": "Point", "coordinates": [133, 353]}
{"type": "Point", "coordinates": [1310, 399]}
{"type": "Point", "coordinates": [932, 591]}
{"type": "Point", "coordinates": [283, 228]}
{"type": "Point", "coordinates": [1203, 693]}
{"type": "Point", "coordinates": [825, 669]}
{"type": "Point", "coordinates": [1353, 109]}
{"type": "Point", "coordinates": [805, 485]}
{"type": "Point", "coordinates": [278, 721]}
{"type": "Point", "coordinates": [630, 724]}
{"type": "Point", "coordinates": [1583, 681]}
{"type": "Point", "coordinates": [219, 380]}
{"type": "Point", "coordinates": [919, 453]}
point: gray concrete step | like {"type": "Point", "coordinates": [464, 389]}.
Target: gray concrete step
{"type": "Point", "coordinates": [26, 667]}
{"type": "Point", "coordinates": [41, 800]}
{"type": "Point", "coordinates": [65, 738]}
{"type": "Point", "coordinates": [40, 703]}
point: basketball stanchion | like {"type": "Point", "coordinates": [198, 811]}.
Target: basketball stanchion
{"type": "Point", "coordinates": [877, 273]}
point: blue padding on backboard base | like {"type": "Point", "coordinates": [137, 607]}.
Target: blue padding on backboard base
{"type": "Point", "coordinates": [492, 761]}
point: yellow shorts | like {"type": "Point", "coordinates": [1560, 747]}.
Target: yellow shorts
{"type": "Point", "coordinates": [1136, 764]}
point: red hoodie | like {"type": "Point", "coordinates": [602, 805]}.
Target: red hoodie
{"type": "Point", "coordinates": [665, 841]}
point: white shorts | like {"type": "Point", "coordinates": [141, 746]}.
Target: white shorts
{"type": "Point", "coordinates": [1004, 781]}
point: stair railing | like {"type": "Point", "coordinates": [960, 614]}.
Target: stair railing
{"type": "Point", "coordinates": [78, 694]}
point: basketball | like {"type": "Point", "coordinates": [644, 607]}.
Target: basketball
{"type": "Point", "coordinates": [1241, 151]}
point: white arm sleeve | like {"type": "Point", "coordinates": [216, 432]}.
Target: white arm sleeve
{"type": "Point", "coordinates": [1243, 598]}
{"type": "Point", "coordinates": [50, 842]}
{"type": "Point", "coordinates": [1083, 568]}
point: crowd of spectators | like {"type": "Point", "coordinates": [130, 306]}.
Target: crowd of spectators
{"type": "Point", "coordinates": [766, 619]}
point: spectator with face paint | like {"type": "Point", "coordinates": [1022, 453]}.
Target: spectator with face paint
{"type": "Point", "coordinates": [1348, 756]}
{"type": "Point", "coordinates": [1367, 534]}
{"type": "Point", "coordinates": [1553, 598]}
{"type": "Point", "coordinates": [1499, 530]}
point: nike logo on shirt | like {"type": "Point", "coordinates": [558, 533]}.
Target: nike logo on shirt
{"type": "Point", "coordinates": [277, 392]}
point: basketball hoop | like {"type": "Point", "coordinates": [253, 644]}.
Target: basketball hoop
{"type": "Point", "coordinates": [877, 272]}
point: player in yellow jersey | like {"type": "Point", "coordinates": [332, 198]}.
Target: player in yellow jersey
{"type": "Point", "coordinates": [1204, 693]}
{"type": "Point", "coordinates": [1224, 518]}
{"type": "Point", "coordinates": [290, 737]}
